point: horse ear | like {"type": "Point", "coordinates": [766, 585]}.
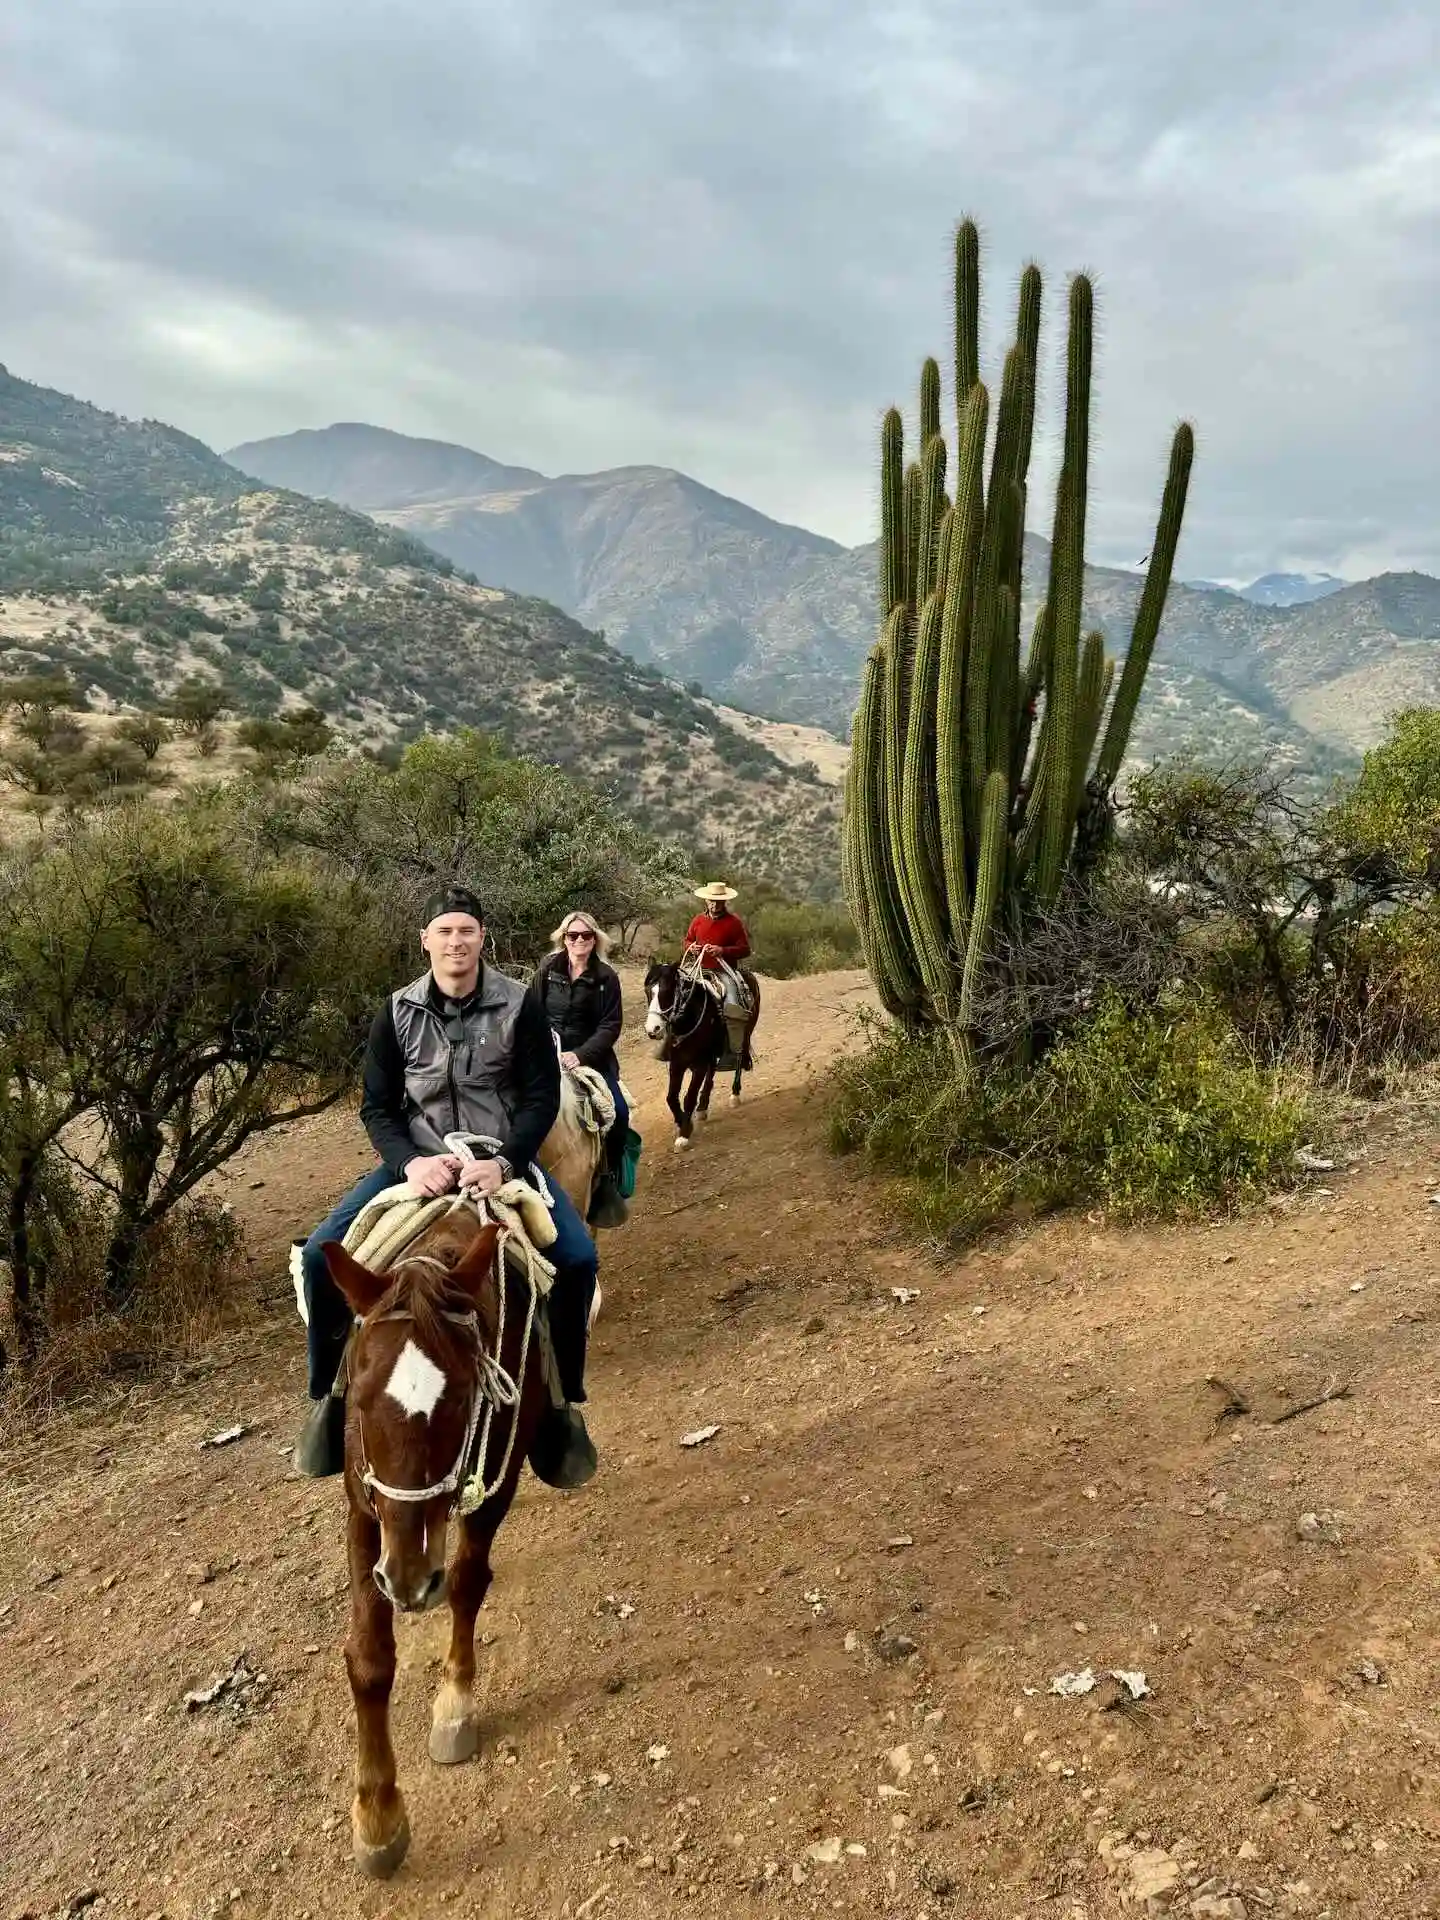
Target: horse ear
{"type": "Point", "coordinates": [471, 1273]}
{"type": "Point", "coordinates": [362, 1289]}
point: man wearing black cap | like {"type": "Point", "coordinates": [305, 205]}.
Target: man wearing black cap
{"type": "Point", "coordinates": [463, 1049]}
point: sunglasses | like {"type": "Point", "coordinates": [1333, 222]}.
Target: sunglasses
{"type": "Point", "coordinates": [579, 933]}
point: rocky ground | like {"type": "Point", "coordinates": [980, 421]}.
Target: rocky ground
{"type": "Point", "coordinates": [809, 1666]}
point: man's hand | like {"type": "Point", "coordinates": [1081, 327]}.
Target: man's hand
{"type": "Point", "coordinates": [431, 1174]}
{"type": "Point", "coordinates": [569, 1061]}
{"type": "Point", "coordinates": [481, 1176]}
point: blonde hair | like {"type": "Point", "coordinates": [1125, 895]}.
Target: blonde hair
{"type": "Point", "coordinates": [602, 939]}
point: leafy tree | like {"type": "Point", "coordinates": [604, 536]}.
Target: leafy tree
{"type": "Point", "coordinates": [35, 693]}
{"type": "Point", "coordinates": [530, 840]}
{"type": "Point", "coordinates": [1388, 819]}
{"type": "Point", "coordinates": [147, 731]}
{"type": "Point", "coordinates": [299, 734]}
{"type": "Point", "coordinates": [196, 704]}
{"type": "Point", "coordinates": [185, 988]}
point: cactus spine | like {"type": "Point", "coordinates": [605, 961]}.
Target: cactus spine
{"type": "Point", "coordinates": [970, 770]}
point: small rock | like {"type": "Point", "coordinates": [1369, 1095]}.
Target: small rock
{"type": "Point", "coordinates": [1320, 1529]}
{"type": "Point", "coordinates": [1372, 1675]}
{"type": "Point", "coordinates": [1247, 1850]}
{"type": "Point", "coordinates": [1218, 1906]}
{"type": "Point", "coordinates": [1309, 1161]}
{"type": "Point", "coordinates": [826, 1853]}
{"type": "Point", "coordinates": [905, 1294]}
{"type": "Point", "coordinates": [853, 1642]}
{"type": "Point", "coordinates": [657, 1754]}
{"type": "Point", "coordinates": [1154, 1876]}
{"type": "Point", "coordinates": [700, 1437]}
{"type": "Point", "coordinates": [899, 1540]}
{"type": "Point", "coordinates": [936, 1880]}
{"type": "Point", "coordinates": [899, 1762]}
{"type": "Point", "coordinates": [894, 1647]}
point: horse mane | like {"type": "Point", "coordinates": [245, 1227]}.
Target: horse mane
{"type": "Point", "coordinates": [429, 1295]}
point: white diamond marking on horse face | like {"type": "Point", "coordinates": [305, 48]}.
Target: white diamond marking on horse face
{"type": "Point", "coordinates": [416, 1383]}
{"type": "Point", "coordinates": [655, 1023]}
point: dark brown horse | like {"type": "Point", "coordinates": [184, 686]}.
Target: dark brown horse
{"type": "Point", "coordinates": [446, 1380]}
{"type": "Point", "coordinates": [682, 1011]}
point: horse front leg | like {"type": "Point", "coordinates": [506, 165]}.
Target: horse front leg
{"type": "Point", "coordinates": [684, 1126]}
{"type": "Point", "coordinates": [700, 1077]}
{"type": "Point", "coordinates": [380, 1831]}
{"type": "Point", "coordinates": [455, 1721]}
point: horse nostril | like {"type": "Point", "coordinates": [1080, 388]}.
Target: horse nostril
{"type": "Point", "coordinates": [382, 1582]}
{"type": "Point", "coordinates": [434, 1585]}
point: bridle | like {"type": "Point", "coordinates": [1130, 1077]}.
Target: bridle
{"type": "Point", "coordinates": [688, 989]}
{"type": "Point", "coordinates": [465, 1485]}
{"type": "Point", "coordinates": [491, 1372]}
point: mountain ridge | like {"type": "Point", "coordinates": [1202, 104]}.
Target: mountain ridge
{"type": "Point", "coordinates": [776, 620]}
{"type": "Point", "coordinates": [132, 557]}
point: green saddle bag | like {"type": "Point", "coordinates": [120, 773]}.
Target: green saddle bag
{"type": "Point", "coordinates": [629, 1164]}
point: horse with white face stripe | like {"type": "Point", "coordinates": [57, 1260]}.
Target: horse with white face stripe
{"type": "Point", "coordinates": [416, 1367]}
{"type": "Point", "coordinates": [687, 1016]}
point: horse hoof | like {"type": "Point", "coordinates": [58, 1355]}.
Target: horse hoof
{"type": "Point", "coordinates": [682, 1145]}
{"type": "Point", "coordinates": [734, 1099]}
{"type": "Point", "coordinates": [453, 1742]}
{"type": "Point", "coordinates": [378, 1863]}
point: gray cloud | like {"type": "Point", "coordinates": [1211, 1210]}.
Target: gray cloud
{"type": "Point", "coordinates": [713, 234]}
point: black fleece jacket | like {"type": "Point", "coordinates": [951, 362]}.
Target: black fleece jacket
{"type": "Point", "coordinates": [533, 1096]}
{"type": "Point", "coordinates": [586, 1013]}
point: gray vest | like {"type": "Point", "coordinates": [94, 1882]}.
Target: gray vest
{"type": "Point", "coordinates": [465, 1087]}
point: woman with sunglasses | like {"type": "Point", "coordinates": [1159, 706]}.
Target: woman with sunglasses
{"type": "Point", "coordinates": [580, 993]}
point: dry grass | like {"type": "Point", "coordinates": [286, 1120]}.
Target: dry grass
{"type": "Point", "coordinates": [197, 1282]}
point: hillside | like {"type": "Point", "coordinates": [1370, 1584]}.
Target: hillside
{"type": "Point", "coordinates": [777, 620]}
{"type": "Point", "coordinates": [807, 1666]}
{"type": "Point", "coordinates": [132, 557]}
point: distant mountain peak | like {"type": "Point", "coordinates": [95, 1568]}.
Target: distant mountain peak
{"type": "Point", "coordinates": [1291, 589]}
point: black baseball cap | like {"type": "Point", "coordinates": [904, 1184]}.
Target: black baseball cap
{"type": "Point", "coordinates": [453, 900]}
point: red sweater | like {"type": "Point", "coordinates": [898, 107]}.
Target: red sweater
{"type": "Point", "coordinates": [727, 933]}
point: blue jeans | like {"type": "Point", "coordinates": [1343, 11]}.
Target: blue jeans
{"type": "Point", "coordinates": [615, 1139]}
{"type": "Point", "coordinates": [573, 1256]}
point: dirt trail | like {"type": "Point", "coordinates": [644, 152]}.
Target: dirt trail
{"type": "Point", "coordinates": [803, 1668]}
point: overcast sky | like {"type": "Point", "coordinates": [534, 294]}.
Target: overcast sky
{"type": "Point", "coordinates": [713, 234]}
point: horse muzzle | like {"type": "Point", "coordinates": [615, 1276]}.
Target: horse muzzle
{"type": "Point", "coordinates": [411, 1593]}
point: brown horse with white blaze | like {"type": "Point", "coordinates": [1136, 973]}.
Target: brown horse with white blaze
{"type": "Point", "coordinates": [446, 1379]}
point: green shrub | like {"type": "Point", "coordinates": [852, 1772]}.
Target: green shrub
{"type": "Point", "coordinates": [1159, 1114]}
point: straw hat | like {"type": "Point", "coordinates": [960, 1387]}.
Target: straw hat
{"type": "Point", "coordinates": [602, 939]}
{"type": "Point", "coordinates": [716, 890]}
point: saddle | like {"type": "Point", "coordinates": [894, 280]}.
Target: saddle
{"type": "Point", "coordinates": [595, 1104]}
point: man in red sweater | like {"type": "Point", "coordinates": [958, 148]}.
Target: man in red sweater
{"type": "Point", "coordinates": [723, 942]}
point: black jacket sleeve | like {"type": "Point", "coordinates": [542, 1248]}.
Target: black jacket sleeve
{"type": "Point", "coordinates": [535, 1102]}
{"type": "Point", "coordinates": [382, 1103]}
{"type": "Point", "coordinates": [601, 1043]}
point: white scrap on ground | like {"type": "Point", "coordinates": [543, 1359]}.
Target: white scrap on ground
{"type": "Point", "coordinates": [1071, 1686]}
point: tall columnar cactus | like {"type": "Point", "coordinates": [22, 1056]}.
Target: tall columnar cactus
{"type": "Point", "coordinates": [972, 768]}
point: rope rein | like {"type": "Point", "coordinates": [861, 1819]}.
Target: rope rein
{"type": "Point", "coordinates": [496, 1390]}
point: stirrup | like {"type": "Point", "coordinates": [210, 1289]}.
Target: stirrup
{"type": "Point", "coordinates": [320, 1447]}
{"type": "Point", "coordinates": [562, 1453]}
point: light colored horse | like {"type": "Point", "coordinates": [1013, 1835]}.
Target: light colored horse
{"type": "Point", "coordinates": [572, 1152]}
